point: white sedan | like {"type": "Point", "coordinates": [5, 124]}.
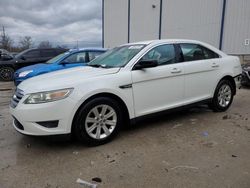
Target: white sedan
{"type": "Point", "coordinates": [130, 81]}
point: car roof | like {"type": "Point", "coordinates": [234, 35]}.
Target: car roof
{"type": "Point", "coordinates": [165, 40]}
{"type": "Point", "coordinates": [88, 49]}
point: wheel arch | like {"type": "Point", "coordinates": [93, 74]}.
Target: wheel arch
{"type": "Point", "coordinates": [122, 104]}
{"type": "Point", "coordinates": [231, 79]}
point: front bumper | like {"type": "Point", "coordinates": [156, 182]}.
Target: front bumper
{"type": "Point", "coordinates": [28, 117]}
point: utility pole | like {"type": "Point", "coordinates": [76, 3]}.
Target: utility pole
{"type": "Point", "coordinates": [77, 44]}
{"type": "Point", "coordinates": [3, 38]}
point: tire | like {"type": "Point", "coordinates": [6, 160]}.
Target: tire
{"type": "Point", "coordinates": [223, 96]}
{"type": "Point", "coordinates": [98, 121]}
{"type": "Point", "coordinates": [6, 73]}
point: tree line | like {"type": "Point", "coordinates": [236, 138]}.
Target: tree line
{"type": "Point", "coordinates": [25, 42]}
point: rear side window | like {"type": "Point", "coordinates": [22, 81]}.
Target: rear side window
{"type": "Point", "coordinates": [48, 53]}
{"type": "Point", "coordinates": [193, 52]}
{"type": "Point", "coordinates": [164, 54]}
{"type": "Point", "coordinates": [93, 55]}
{"type": "Point", "coordinates": [32, 54]}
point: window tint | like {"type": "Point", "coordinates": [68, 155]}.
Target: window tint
{"type": "Point", "coordinates": [32, 54]}
{"type": "Point", "coordinates": [93, 55]}
{"type": "Point", "coordinates": [47, 53]}
{"type": "Point", "coordinates": [193, 52]}
{"type": "Point", "coordinates": [164, 54]}
{"type": "Point", "coordinates": [76, 58]}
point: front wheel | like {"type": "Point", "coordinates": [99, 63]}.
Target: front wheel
{"type": "Point", "coordinates": [98, 121]}
{"type": "Point", "coordinates": [6, 73]}
{"type": "Point", "coordinates": [223, 96]}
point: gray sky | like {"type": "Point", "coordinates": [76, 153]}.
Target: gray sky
{"type": "Point", "coordinates": [59, 21]}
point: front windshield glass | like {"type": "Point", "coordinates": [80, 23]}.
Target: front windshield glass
{"type": "Point", "coordinates": [117, 57]}
{"type": "Point", "coordinates": [54, 59]}
{"type": "Point", "coordinates": [19, 55]}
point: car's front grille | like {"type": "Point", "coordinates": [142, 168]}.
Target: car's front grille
{"type": "Point", "coordinates": [16, 98]}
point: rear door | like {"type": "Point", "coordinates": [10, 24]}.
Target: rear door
{"type": "Point", "coordinates": [201, 66]}
{"type": "Point", "coordinates": [159, 88]}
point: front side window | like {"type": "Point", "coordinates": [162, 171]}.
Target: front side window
{"type": "Point", "coordinates": [194, 52]}
{"type": "Point", "coordinates": [32, 54]}
{"type": "Point", "coordinates": [76, 58]}
{"type": "Point", "coordinates": [164, 54]}
{"type": "Point", "coordinates": [117, 57]}
{"type": "Point", "coordinates": [47, 53]}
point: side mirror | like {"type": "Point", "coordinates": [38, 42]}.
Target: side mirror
{"type": "Point", "coordinates": [64, 63]}
{"type": "Point", "coordinates": [145, 64]}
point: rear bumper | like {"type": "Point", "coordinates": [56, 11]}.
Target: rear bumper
{"type": "Point", "coordinates": [245, 78]}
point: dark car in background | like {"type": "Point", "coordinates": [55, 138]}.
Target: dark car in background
{"type": "Point", "coordinates": [245, 81]}
{"type": "Point", "coordinates": [26, 58]}
{"type": "Point", "coordinates": [5, 55]}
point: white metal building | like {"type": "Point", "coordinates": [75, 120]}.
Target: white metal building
{"type": "Point", "coordinates": [222, 23]}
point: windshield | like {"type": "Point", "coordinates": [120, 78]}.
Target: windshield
{"type": "Point", "coordinates": [19, 55]}
{"type": "Point", "coordinates": [54, 59]}
{"type": "Point", "coordinates": [116, 57]}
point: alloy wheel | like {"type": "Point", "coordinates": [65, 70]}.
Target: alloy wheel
{"type": "Point", "coordinates": [100, 121]}
{"type": "Point", "coordinates": [224, 95]}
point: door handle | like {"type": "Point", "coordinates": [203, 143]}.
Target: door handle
{"type": "Point", "coordinates": [175, 70]}
{"type": "Point", "coordinates": [214, 65]}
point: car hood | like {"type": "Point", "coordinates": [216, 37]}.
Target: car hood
{"type": "Point", "coordinates": [33, 67]}
{"type": "Point", "coordinates": [63, 79]}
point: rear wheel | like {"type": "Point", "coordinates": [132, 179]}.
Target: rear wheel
{"type": "Point", "coordinates": [223, 96]}
{"type": "Point", "coordinates": [6, 73]}
{"type": "Point", "coordinates": [98, 121]}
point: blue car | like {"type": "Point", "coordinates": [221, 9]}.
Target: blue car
{"type": "Point", "coordinates": [71, 58]}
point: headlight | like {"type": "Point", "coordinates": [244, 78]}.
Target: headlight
{"type": "Point", "coordinates": [25, 73]}
{"type": "Point", "coordinates": [48, 96]}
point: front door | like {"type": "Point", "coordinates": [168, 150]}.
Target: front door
{"type": "Point", "coordinates": [158, 88]}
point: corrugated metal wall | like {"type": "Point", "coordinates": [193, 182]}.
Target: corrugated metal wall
{"type": "Point", "coordinates": [144, 19]}
{"type": "Point", "coordinates": [192, 19]}
{"type": "Point", "coordinates": [237, 27]}
{"type": "Point", "coordinates": [115, 22]}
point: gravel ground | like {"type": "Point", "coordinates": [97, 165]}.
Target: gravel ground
{"type": "Point", "coordinates": [191, 148]}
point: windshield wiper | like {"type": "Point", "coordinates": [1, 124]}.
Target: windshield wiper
{"type": "Point", "coordinates": [99, 65]}
{"type": "Point", "coordinates": [94, 65]}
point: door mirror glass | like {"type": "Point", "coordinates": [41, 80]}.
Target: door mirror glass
{"type": "Point", "coordinates": [145, 64]}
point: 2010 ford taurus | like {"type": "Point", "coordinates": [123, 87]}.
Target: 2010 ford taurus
{"type": "Point", "coordinates": [130, 81]}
